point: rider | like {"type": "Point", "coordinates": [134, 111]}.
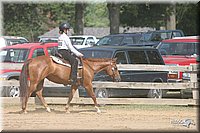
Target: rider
{"type": "Point", "coordinates": [65, 48]}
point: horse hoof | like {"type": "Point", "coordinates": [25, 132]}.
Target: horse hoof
{"type": "Point", "coordinates": [98, 111]}
{"type": "Point", "coordinates": [67, 112]}
{"type": "Point", "coordinates": [48, 110]}
{"type": "Point", "coordinates": [23, 112]}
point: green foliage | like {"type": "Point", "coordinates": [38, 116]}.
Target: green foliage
{"type": "Point", "coordinates": [31, 20]}
{"type": "Point", "coordinates": [188, 18]}
{"type": "Point", "coordinates": [143, 15]}
{"type": "Point", "coordinates": [96, 15]}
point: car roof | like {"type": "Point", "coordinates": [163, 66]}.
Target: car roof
{"type": "Point", "coordinates": [162, 30]}
{"type": "Point", "coordinates": [30, 45]}
{"type": "Point", "coordinates": [82, 36]}
{"type": "Point", "coordinates": [126, 34]}
{"type": "Point", "coordinates": [115, 48]}
{"type": "Point", "coordinates": [184, 39]}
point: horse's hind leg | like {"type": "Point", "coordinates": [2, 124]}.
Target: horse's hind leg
{"type": "Point", "coordinates": [39, 94]}
{"type": "Point", "coordinates": [25, 100]}
{"type": "Point", "coordinates": [73, 90]}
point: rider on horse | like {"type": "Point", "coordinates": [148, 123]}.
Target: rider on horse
{"type": "Point", "coordinates": [65, 48]}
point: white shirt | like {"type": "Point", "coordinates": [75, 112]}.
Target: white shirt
{"type": "Point", "coordinates": [65, 43]}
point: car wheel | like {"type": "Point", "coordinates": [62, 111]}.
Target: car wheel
{"type": "Point", "coordinates": [101, 93]}
{"type": "Point", "coordinates": [12, 91]}
{"type": "Point", "coordinates": [155, 93]}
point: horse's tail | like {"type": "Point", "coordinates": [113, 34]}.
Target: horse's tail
{"type": "Point", "coordinates": [23, 81]}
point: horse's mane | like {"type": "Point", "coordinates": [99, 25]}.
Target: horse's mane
{"type": "Point", "coordinates": [98, 59]}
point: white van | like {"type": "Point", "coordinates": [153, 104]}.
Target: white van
{"type": "Point", "coordinates": [11, 40]}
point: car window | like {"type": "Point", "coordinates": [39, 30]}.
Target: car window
{"type": "Point", "coordinates": [90, 41]}
{"type": "Point", "coordinates": [176, 34]}
{"type": "Point", "coordinates": [178, 48]}
{"type": "Point", "coordinates": [96, 54]}
{"type": "Point", "coordinates": [13, 55]}
{"type": "Point", "coordinates": [121, 58]}
{"type": "Point", "coordinates": [154, 57]}
{"type": "Point", "coordinates": [15, 41]}
{"type": "Point", "coordinates": [77, 40]}
{"type": "Point", "coordinates": [110, 40]}
{"type": "Point", "coordinates": [127, 40]}
{"type": "Point", "coordinates": [137, 57]}
{"type": "Point", "coordinates": [52, 50]}
{"type": "Point", "coordinates": [38, 52]}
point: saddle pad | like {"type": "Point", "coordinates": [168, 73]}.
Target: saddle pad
{"type": "Point", "coordinates": [59, 61]}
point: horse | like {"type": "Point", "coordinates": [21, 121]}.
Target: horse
{"type": "Point", "coordinates": [35, 70]}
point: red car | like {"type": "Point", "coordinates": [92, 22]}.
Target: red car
{"type": "Point", "coordinates": [181, 51]}
{"type": "Point", "coordinates": [18, 54]}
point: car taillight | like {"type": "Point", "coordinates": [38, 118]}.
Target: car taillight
{"type": "Point", "coordinates": [173, 76]}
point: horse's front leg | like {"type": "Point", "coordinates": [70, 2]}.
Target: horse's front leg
{"type": "Point", "coordinates": [90, 92]}
{"type": "Point", "coordinates": [73, 90]}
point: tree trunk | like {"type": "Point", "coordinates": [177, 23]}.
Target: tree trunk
{"type": "Point", "coordinates": [79, 18]}
{"type": "Point", "coordinates": [114, 9]}
{"type": "Point", "coordinates": [171, 20]}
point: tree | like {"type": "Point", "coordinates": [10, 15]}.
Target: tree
{"type": "Point", "coordinates": [114, 17]}
{"type": "Point", "coordinates": [79, 18]}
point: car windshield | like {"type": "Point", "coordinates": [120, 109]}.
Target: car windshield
{"type": "Point", "coordinates": [178, 48]}
{"type": "Point", "coordinates": [13, 55]}
{"type": "Point", "coordinates": [110, 40]}
{"type": "Point", "coordinates": [155, 36]}
{"type": "Point", "coordinates": [97, 53]}
{"type": "Point", "coordinates": [77, 40]}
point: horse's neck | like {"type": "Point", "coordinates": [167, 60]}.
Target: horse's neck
{"type": "Point", "coordinates": [98, 66]}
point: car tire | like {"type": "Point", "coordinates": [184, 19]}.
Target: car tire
{"type": "Point", "coordinates": [101, 93]}
{"type": "Point", "coordinates": [12, 91]}
{"type": "Point", "coordinates": [155, 93]}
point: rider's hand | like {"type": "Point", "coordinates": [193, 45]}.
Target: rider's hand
{"type": "Point", "coordinates": [80, 55]}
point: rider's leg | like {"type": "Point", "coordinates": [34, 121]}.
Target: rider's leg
{"type": "Point", "coordinates": [74, 64]}
{"type": "Point", "coordinates": [74, 69]}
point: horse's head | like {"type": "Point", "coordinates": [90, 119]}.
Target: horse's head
{"type": "Point", "coordinates": [112, 70]}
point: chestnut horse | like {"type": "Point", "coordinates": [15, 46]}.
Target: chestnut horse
{"type": "Point", "coordinates": [37, 69]}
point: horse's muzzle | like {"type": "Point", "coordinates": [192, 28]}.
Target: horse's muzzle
{"type": "Point", "coordinates": [117, 79]}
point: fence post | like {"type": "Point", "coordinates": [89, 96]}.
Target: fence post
{"type": "Point", "coordinates": [193, 82]}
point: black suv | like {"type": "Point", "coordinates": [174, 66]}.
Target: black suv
{"type": "Point", "coordinates": [119, 39]}
{"type": "Point", "coordinates": [129, 55]}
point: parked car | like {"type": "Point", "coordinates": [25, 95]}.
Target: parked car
{"type": "Point", "coordinates": [48, 39]}
{"type": "Point", "coordinates": [18, 54]}
{"type": "Point", "coordinates": [119, 39]}
{"type": "Point", "coordinates": [83, 41]}
{"type": "Point", "coordinates": [11, 40]}
{"type": "Point", "coordinates": [129, 55]}
{"type": "Point", "coordinates": [153, 38]}
{"type": "Point", "coordinates": [180, 51]}
{"type": "Point", "coordinates": [80, 41]}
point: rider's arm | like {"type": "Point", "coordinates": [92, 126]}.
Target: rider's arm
{"type": "Point", "coordinates": [71, 47]}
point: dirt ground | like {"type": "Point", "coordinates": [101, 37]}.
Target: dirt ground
{"type": "Point", "coordinates": [113, 118]}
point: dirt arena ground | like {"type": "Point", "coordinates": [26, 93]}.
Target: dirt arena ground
{"type": "Point", "coordinates": [113, 118]}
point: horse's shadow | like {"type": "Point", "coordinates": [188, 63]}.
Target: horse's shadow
{"type": "Point", "coordinates": [43, 110]}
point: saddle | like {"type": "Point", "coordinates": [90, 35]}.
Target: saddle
{"type": "Point", "coordinates": [60, 60]}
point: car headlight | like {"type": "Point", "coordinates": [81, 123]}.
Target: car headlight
{"type": "Point", "coordinates": [186, 76]}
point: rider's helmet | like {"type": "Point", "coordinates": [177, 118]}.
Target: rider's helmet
{"type": "Point", "coordinates": [64, 26]}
